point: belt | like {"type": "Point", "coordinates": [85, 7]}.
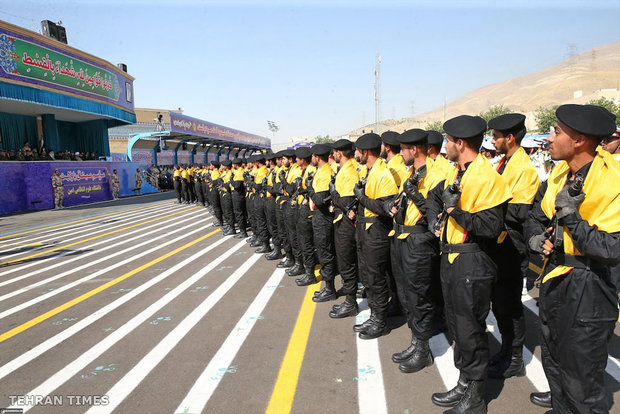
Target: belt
{"type": "Point", "coordinates": [362, 219]}
{"type": "Point", "coordinates": [401, 228]}
{"type": "Point", "coordinates": [578, 262]}
{"type": "Point", "coordinates": [460, 248]}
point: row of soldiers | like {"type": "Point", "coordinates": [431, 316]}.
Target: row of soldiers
{"type": "Point", "coordinates": [449, 239]}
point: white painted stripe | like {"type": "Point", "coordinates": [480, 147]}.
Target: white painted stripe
{"type": "Point", "coordinates": [208, 381]}
{"type": "Point", "coordinates": [370, 387]}
{"type": "Point", "coordinates": [444, 360]}
{"type": "Point", "coordinates": [19, 267]}
{"type": "Point", "coordinates": [40, 349]}
{"type": "Point", "coordinates": [533, 367]}
{"type": "Point", "coordinates": [71, 285]}
{"type": "Point", "coordinates": [87, 357]}
{"type": "Point", "coordinates": [136, 375]}
{"type": "Point", "coordinates": [613, 366]}
{"type": "Point", "coordinates": [90, 246]}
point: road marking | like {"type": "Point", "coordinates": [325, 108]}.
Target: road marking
{"type": "Point", "coordinates": [370, 387]}
{"type": "Point", "coordinates": [98, 314]}
{"type": "Point", "coordinates": [98, 272]}
{"type": "Point", "coordinates": [281, 400]}
{"type": "Point", "coordinates": [533, 368]}
{"type": "Point", "coordinates": [21, 259]}
{"type": "Point", "coordinates": [444, 360]}
{"type": "Point", "coordinates": [71, 303]}
{"type": "Point", "coordinates": [210, 378]}
{"type": "Point", "coordinates": [7, 235]}
{"type": "Point", "coordinates": [136, 375]}
{"type": "Point", "coordinates": [70, 370]}
{"type": "Point", "coordinates": [613, 366]}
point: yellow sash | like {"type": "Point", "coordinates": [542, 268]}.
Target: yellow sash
{"type": "Point", "coordinates": [482, 188]}
{"type": "Point", "coordinates": [522, 178]}
{"type": "Point", "coordinates": [346, 179]}
{"type": "Point", "coordinates": [380, 184]}
{"type": "Point", "coordinates": [599, 208]}
{"type": "Point", "coordinates": [309, 170]}
{"type": "Point", "coordinates": [398, 169]}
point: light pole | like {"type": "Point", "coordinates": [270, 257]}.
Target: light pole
{"type": "Point", "coordinates": [273, 128]}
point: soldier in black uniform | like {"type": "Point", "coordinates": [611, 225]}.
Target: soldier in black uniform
{"type": "Point", "coordinates": [226, 198]}
{"type": "Point", "coordinates": [238, 198]}
{"type": "Point", "coordinates": [176, 177]}
{"type": "Point", "coordinates": [466, 213]}
{"type": "Point", "coordinates": [250, 199]}
{"type": "Point", "coordinates": [214, 192]}
{"type": "Point", "coordinates": [373, 225]}
{"type": "Point", "coordinates": [281, 201]}
{"type": "Point", "coordinates": [344, 206]}
{"type": "Point", "coordinates": [270, 208]}
{"type": "Point", "coordinates": [575, 224]}
{"type": "Point", "coordinates": [291, 180]}
{"type": "Point", "coordinates": [260, 182]}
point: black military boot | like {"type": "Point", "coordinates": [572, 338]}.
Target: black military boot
{"type": "Point", "coordinates": [347, 308]}
{"type": "Point", "coordinates": [286, 263]}
{"type": "Point", "coordinates": [306, 280]}
{"type": "Point", "coordinates": [296, 270]}
{"type": "Point", "coordinates": [217, 223]}
{"type": "Point", "coordinates": [256, 243]}
{"type": "Point", "coordinates": [378, 327]}
{"type": "Point", "coordinates": [420, 358]}
{"type": "Point", "coordinates": [327, 294]}
{"type": "Point", "coordinates": [265, 248]}
{"type": "Point", "coordinates": [406, 354]}
{"type": "Point", "coordinates": [251, 239]}
{"type": "Point", "coordinates": [452, 397]}
{"type": "Point", "coordinates": [229, 230]}
{"type": "Point", "coordinates": [512, 366]}
{"type": "Point", "coordinates": [276, 254]}
{"type": "Point", "coordinates": [241, 235]}
{"type": "Point", "coordinates": [362, 326]}
{"type": "Point", "coordinates": [472, 401]}
{"type": "Point", "coordinates": [541, 399]}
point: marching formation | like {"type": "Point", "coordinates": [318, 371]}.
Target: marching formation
{"type": "Point", "coordinates": [443, 240]}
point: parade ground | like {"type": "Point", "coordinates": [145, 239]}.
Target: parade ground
{"type": "Point", "coordinates": [140, 305]}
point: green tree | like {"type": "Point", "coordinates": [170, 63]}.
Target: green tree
{"type": "Point", "coordinates": [494, 112]}
{"type": "Point", "coordinates": [545, 118]}
{"type": "Point", "coordinates": [323, 140]}
{"type": "Point", "coordinates": [608, 104]}
{"type": "Point", "coordinates": [435, 126]}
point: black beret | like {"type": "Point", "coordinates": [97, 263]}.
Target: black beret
{"type": "Point", "coordinates": [413, 136]}
{"type": "Point", "coordinates": [342, 144]}
{"type": "Point", "coordinates": [252, 158]}
{"type": "Point", "coordinates": [368, 141]}
{"type": "Point", "coordinates": [288, 153]}
{"type": "Point", "coordinates": [589, 120]}
{"type": "Point", "coordinates": [507, 121]}
{"type": "Point", "coordinates": [303, 152]}
{"type": "Point", "coordinates": [321, 149]}
{"type": "Point", "coordinates": [279, 154]}
{"type": "Point", "coordinates": [434, 137]}
{"type": "Point", "coordinates": [237, 161]}
{"type": "Point", "coordinates": [390, 138]}
{"type": "Point", "coordinates": [270, 156]}
{"type": "Point", "coordinates": [226, 163]}
{"type": "Point", "coordinates": [465, 126]}
{"type": "Point", "coordinates": [259, 158]}
{"type": "Point", "coordinates": [215, 163]}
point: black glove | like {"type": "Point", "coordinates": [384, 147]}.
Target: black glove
{"type": "Point", "coordinates": [332, 188]}
{"type": "Point", "coordinates": [536, 242]}
{"type": "Point", "coordinates": [451, 195]}
{"type": "Point", "coordinates": [282, 176]}
{"type": "Point", "coordinates": [565, 203]}
{"type": "Point", "coordinates": [358, 190]}
{"type": "Point", "coordinates": [296, 182]}
{"type": "Point", "coordinates": [410, 187]}
{"type": "Point", "coordinates": [264, 181]}
{"type": "Point", "coordinates": [418, 175]}
{"type": "Point", "coordinates": [309, 179]}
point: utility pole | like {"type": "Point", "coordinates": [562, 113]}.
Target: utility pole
{"type": "Point", "coordinates": [273, 128]}
{"type": "Point", "coordinates": [377, 92]}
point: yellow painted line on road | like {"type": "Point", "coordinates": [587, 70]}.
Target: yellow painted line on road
{"type": "Point", "coordinates": [67, 305]}
{"type": "Point", "coordinates": [283, 394]}
{"type": "Point", "coordinates": [93, 238]}
{"type": "Point", "coordinates": [6, 236]}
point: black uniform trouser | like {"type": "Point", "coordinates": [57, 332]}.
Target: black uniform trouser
{"type": "Point", "coordinates": [249, 207]}
{"type": "Point", "coordinates": [282, 233]}
{"type": "Point", "coordinates": [467, 284]}
{"type": "Point", "coordinates": [346, 254]}
{"type": "Point", "coordinates": [215, 202]}
{"type": "Point", "coordinates": [413, 260]}
{"type": "Point", "coordinates": [227, 208]}
{"type": "Point", "coordinates": [290, 219]}
{"type": "Point", "coordinates": [238, 200]}
{"type": "Point", "coordinates": [506, 297]}
{"type": "Point", "coordinates": [178, 189]}
{"type": "Point", "coordinates": [578, 312]}
{"type": "Point", "coordinates": [305, 237]}
{"type": "Point", "coordinates": [374, 265]}
{"type": "Point", "coordinates": [261, 219]}
{"type": "Point", "coordinates": [205, 193]}
{"type": "Point", "coordinates": [272, 225]}
{"type": "Point", "coordinates": [199, 194]}
{"type": "Point", "coordinates": [323, 228]}
{"type": "Point", "coordinates": [192, 190]}
{"type": "Point", "coordinates": [185, 190]}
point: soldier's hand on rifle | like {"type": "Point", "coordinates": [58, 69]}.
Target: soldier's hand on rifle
{"type": "Point", "coordinates": [358, 190]}
{"type": "Point", "coordinates": [296, 182]}
{"type": "Point", "coordinates": [565, 203]}
{"type": "Point", "coordinates": [451, 195]}
{"type": "Point", "coordinates": [309, 179]}
{"type": "Point", "coordinates": [332, 188]}
{"type": "Point", "coordinates": [282, 176]}
{"type": "Point", "coordinates": [541, 242]}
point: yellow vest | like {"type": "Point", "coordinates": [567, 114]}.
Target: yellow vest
{"type": "Point", "coordinates": [599, 208]}
{"type": "Point", "coordinates": [380, 184]}
{"type": "Point", "coordinates": [346, 179]}
{"type": "Point", "coordinates": [310, 169]}
{"type": "Point", "coordinates": [398, 169]}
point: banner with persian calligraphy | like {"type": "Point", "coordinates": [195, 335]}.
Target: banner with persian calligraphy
{"type": "Point", "coordinates": [197, 127]}
{"type": "Point", "coordinates": [29, 60]}
{"type": "Point", "coordinates": [84, 182]}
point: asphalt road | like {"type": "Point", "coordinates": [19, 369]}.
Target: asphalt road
{"type": "Point", "coordinates": [140, 305]}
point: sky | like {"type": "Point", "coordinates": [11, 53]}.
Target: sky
{"type": "Point", "coordinates": [309, 65]}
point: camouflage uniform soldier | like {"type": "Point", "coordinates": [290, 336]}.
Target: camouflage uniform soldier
{"type": "Point", "coordinates": [138, 181]}
{"type": "Point", "coordinates": [59, 189]}
{"type": "Point", "coordinates": [116, 183]}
